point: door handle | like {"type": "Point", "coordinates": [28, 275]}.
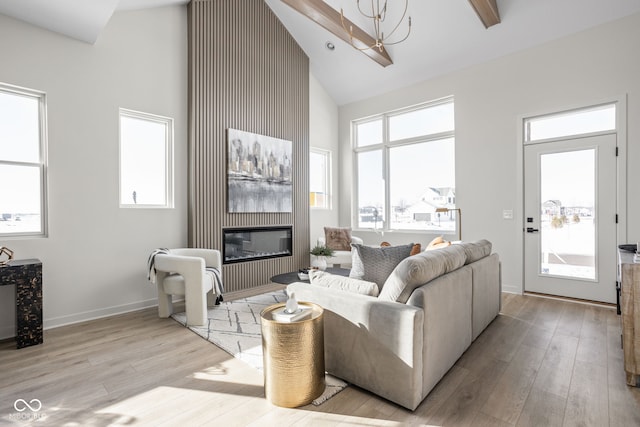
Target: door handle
{"type": "Point", "coordinates": [532, 230]}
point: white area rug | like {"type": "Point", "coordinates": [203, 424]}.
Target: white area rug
{"type": "Point", "coordinates": [234, 326]}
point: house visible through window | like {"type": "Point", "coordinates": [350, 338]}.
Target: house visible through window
{"type": "Point", "coordinates": [22, 162]}
{"type": "Point", "coordinates": [146, 164]}
{"type": "Point", "coordinates": [405, 162]}
{"type": "Point", "coordinates": [319, 180]}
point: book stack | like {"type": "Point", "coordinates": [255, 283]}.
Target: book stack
{"type": "Point", "coordinates": [281, 315]}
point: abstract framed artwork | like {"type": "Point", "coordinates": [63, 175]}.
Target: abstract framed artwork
{"type": "Point", "coordinates": [258, 173]}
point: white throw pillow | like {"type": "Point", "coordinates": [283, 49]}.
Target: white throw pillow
{"type": "Point", "coordinates": [334, 281]}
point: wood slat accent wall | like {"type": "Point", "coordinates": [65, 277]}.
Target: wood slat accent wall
{"type": "Point", "coordinates": [245, 72]}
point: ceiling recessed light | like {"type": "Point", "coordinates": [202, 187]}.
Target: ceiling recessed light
{"type": "Point", "coordinates": [330, 46]}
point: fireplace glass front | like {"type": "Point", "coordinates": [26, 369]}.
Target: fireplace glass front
{"type": "Point", "coordinates": [249, 244]}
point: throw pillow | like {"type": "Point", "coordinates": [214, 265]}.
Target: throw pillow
{"type": "Point", "coordinates": [376, 264]}
{"type": "Point", "coordinates": [416, 249]}
{"type": "Point", "coordinates": [438, 243]}
{"type": "Point", "coordinates": [334, 281]}
{"type": "Point", "coordinates": [338, 238]}
{"type": "Point", "coordinates": [419, 270]}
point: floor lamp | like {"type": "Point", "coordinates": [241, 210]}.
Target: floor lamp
{"type": "Point", "coordinates": [439, 210]}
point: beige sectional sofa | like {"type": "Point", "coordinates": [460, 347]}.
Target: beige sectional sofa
{"type": "Point", "coordinates": [430, 309]}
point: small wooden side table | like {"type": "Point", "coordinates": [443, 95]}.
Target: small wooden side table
{"type": "Point", "coordinates": [27, 276]}
{"type": "Point", "coordinates": [293, 355]}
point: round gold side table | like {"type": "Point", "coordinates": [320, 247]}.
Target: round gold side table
{"type": "Point", "coordinates": [293, 354]}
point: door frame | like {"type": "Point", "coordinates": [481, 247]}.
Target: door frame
{"type": "Point", "coordinates": [621, 178]}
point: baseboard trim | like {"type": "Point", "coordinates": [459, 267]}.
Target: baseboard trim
{"type": "Point", "coordinates": [511, 289]}
{"type": "Point", "coordinates": [8, 332]}
{"type": "Point", "coordinates": [56, 322]}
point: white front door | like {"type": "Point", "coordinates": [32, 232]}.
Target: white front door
{"type": "Point", "coordinates": [570, 218]}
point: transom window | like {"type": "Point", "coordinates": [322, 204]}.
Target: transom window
{"type": "Point", "coordinates": [22, 162]}
{"type": "Point", "coordinates": [405, 169]}
{"type": "Point", "coordinates": [583, 121]}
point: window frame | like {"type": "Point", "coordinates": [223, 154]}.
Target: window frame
{"type": "Point", "coordinates": [169, 163]}
{"type": "Point", "coordinates": [41, 164]}
{"type": "Point", "coordinates": [328, 182]}
{"type": "Point", "coordinates": [385, 147]}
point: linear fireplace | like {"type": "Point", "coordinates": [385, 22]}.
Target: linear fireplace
{"type": "Point", "coordinates": [250, 244]}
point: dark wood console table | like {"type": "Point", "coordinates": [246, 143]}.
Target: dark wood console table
{"type": "Point", "coordinates": [26, 274]}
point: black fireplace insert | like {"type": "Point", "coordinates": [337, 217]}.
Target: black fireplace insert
{"type": "Point", "coordinates": [253, 243]}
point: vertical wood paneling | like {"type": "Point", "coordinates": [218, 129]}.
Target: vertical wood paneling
{"type": "Point", "coordinates": [245, 72]}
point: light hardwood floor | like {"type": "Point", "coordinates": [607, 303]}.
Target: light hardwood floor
{"type": "Point", "coordinates": [542, 362]}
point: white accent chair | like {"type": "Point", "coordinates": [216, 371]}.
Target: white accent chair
{"type": "Point", "coordinates": [182, 272]}
{"type": "Point", "coordinates": [340, 258]}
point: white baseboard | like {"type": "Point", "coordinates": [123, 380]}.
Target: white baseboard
{"type": "Point", "coordinates": [9, 331]}
{"type": "Point", "coordinates": [512, 289]}
{"type": "Point", "coordinates": [56, 322]}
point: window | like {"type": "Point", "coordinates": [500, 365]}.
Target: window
{"type": "Point", "coordinates": [320, 179]}
{"type": "Point", "coordinates": [576, 122]}
{"type": "Point", "coordinates": [146, 160]}
{"type": "Point", "coordinates": [405, 163]}
{"type": "Point", "coordinates": [22, 162]}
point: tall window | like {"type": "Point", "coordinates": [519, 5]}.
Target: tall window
{"type": "Point", "coordinates": [22, 162]}
{"type": "Point", "coordinates": [405, 163]}
{"type": "Point", "coordinates": [146, 160]}
{"type": "Point", "coordinates": [320, 179]}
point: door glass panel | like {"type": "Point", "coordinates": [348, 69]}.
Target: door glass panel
{"type": "Point", "coordinates": [567, 212]}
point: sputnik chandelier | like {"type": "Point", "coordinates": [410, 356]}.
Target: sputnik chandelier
{"type": "Point", "coordinates": [378, 13]}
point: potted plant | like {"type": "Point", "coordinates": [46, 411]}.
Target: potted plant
{"type": "Point", "coordinates": [319, 256]}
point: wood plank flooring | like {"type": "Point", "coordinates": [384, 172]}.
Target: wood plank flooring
{"type": "Point", "coordinates": [542, 362]}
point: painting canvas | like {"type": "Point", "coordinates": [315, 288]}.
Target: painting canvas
{"type": "Point", "coordinates": [258, 173]}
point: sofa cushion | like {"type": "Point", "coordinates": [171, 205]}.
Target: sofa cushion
{"type": "Point", "coordinates": [476, 250]}
{"type": "Point", "coordinates": [334, 281]}
{"type": "Point", "coordinates": [338, 238]}
{"type": "Point", "coordinates": [420, 269]}
{"type": "Point", "coordinates": [375, 264]}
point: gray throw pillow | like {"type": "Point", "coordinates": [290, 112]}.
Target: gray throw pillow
{"type": "Point", "coordinates": [376, 264]}
{"type": "Point", "coordinates": [334, 281]}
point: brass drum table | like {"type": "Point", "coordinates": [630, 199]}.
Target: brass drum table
{"type": "Point", "coordinates": [293, 354]}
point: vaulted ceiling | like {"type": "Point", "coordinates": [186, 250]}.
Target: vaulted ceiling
{"type": "Point", "coordinates": [446, 35]}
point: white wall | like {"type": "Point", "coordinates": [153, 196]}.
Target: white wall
{"type": "Point", "coordinates": [94, 260]}
{"type": "Point", "coordinates": [323, 134]}
{"type": "Point", "coordinates": [601, 63]}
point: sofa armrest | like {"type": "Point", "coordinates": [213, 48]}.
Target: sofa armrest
{"type": "Point", "coordinates": [374, 344]}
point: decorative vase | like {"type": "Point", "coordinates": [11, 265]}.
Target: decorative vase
{"type": "Point", "coordinates": [319, 262]}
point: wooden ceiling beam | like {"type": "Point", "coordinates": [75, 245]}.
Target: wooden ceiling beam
{"type": "Point", "coordinates": [487, 11]}
{"type": "Point", "coordinates": [330, 19]}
